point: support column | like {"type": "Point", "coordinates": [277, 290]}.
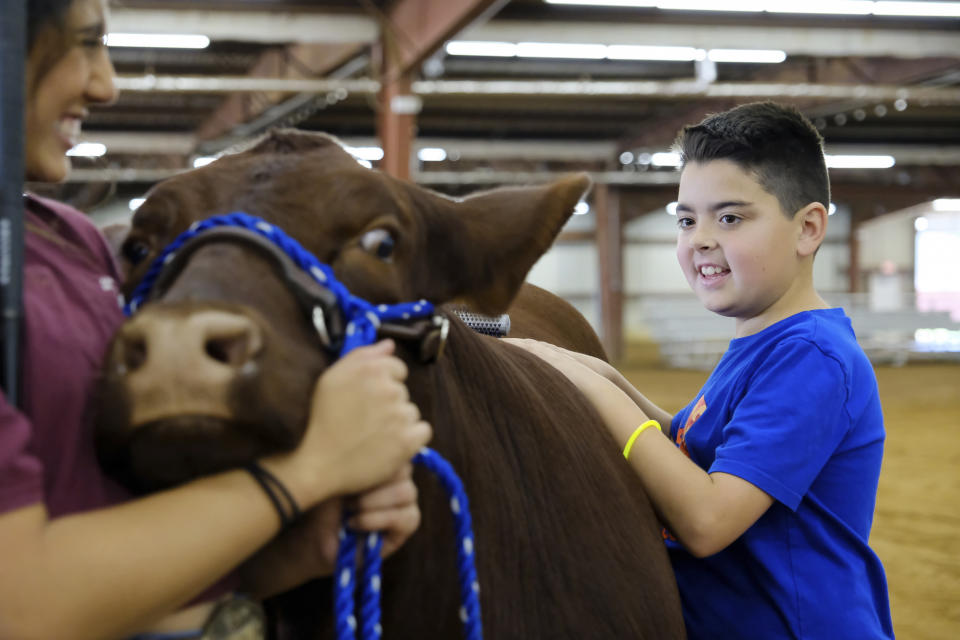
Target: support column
{"type": "Point", "coordinates": [396, 123]}
{"type": "Point", "coordinates": [854, 255]}
{"type": "Point", "coordinates": [413, 31]}
{"type": "Point", "coordinates": [606, 206]}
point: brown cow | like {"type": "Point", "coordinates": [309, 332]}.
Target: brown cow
{"type": "Point", "coordinates": [219, 371]}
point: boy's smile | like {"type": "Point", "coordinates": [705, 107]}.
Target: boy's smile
{"type": "Point", "coordinates": [740, 253]}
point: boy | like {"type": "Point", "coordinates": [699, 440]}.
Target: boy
{"type": "Point", "coordinates": [768, 480]}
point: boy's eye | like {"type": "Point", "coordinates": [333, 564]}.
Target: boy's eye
{"type": "Point", "coordinates": [684, 223]}
{"type": "Point", "coordinates": [729, 218]}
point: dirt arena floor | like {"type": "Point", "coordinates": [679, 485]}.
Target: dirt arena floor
{"type": "Point", "coordinates": [916, 531]}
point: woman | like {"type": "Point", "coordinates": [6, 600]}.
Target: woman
{"type": "Point", "coordinates": [81, 560]}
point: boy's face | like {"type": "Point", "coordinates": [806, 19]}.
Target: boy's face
{"type": "Point", "coordinates": [736, 247]}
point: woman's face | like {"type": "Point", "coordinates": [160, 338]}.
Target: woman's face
{"type": "Point", "coordinates": [59, 95]}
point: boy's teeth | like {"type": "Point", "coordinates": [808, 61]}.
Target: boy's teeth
{"type": "Point", "coordinates": [709, 271]}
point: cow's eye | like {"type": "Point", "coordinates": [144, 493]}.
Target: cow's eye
{"type": "Point", "coordinates": [380, 243]}
{"type": "Point", "coordinates": [135, 251]}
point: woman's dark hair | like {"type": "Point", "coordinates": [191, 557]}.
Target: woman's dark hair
{"type": "Point", "coordinates": [774, 142]}
{"type": "Point", "coordinates": [45, 12]}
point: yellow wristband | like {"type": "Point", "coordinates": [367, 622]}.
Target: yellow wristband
{"type": "Point", "coordinates": [633, 437]}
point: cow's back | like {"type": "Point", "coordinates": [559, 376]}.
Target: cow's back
{"type": "Point", "coordinates": [567, 544]}
{"type": "Point", "coordinates": [541, 315]}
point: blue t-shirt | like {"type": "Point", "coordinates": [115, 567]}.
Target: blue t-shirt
{"type": "Point", "coordinates": [793, 410]}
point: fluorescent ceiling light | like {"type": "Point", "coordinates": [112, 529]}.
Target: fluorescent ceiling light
{"type": "Point", "coordinates": [838, 7]}
{"type": "Point", "coordinates": [641, 52]}
{"type": "Point", "coordinates": [584, 51]}
{"type": "Point", "coordinates": [202, 161]}
{"type": "Point", "coordinates": [561, 50]}
{"type": "Point", "coordinates": [366, 153]}
{"type": "Point", "coordinates": [135, 203]}
{"type": "Point", "coordinates": [607, 3]}
{"type": "Point", "coordinates": [831, 209]}
{"type": "Point", "coordinates": [931, 9]}
{"type": "Point", "coordinates": [946, 204]}
{"type": "Point", "coordinates": [921, 224]}
{"type": "Point", "coordinates": [747, 55]}
{"type": "Point", "coordinates": [88, 150]}
{"type": "Point", "coordinates": [364, 163]}
{"type": "Point", "coordinates": [665, 159]}
{"type": "Point", "coordinates": [581, 209]}
{"type": "Point", "coordinates": [859, 162]}
{"type": "Point", "coordinates": [672, 208]}
{"type": "Point", "coordinates": [158, 40]}
{"type": "Point", "coordinates": [846, 7]}
{"type": "Point", "coordinates": [481, 48]}
{"type": "Point", "coordinates": [712, 5]}
{"type": "Point", "coordinates": [432, 154]}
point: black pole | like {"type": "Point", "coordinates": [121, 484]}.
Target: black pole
{"type": "Point", "coordinates": [13, 50]}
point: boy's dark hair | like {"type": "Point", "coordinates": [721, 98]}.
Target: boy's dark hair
{"type": "Point", "coordinates": [44, 12]}
{"type": "Point", "coordinates": [774, 142]}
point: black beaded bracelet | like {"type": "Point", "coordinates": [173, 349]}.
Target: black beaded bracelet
{"type": "Point", "coordinates": [287, 508]}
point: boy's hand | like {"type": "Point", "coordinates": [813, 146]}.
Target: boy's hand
{"type": "Point", "coordinates": [578, 368]}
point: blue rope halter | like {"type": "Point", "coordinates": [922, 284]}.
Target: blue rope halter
{"type": "Point", "coordinates": [363, 321]}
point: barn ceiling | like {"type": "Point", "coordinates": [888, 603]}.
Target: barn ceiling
{"type": "Point", "coordinates": [873, 84]}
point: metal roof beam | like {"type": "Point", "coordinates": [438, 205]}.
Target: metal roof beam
{"type": "Point", "coordinates": [666, 90]}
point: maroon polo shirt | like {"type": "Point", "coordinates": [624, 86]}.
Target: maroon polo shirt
{"type": "Point", "coordinates": [71, 291]}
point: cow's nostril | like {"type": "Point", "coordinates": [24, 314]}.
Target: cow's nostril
{"type": "Point", "coordinates": [231, 350]}
{"type": "Point", "coordinates": [134, 353]}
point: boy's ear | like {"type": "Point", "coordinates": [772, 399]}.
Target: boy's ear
{"type": "Point", "coordinates": [813, 227]}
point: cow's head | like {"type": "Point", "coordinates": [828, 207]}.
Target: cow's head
{"type": "Point", "coordinates": [218, 370]}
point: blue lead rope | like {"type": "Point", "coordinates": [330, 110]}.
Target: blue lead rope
{"type": "Point", "coordinates": [363, 321]}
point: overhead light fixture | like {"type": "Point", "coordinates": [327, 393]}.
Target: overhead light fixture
{"type": "Point", "coordinates": [671, 208]}
{"type": "Point", "coordinates": [913, 8]}
{"type": "Point", "coordinates": [369, 154]}
{"type": "Point", "coordinates": [158, 40]}
{"type": "Point", "coordinates": [768, 56]}
{"type": "Point", "coordinates": [432, 154]}
{"type": "Point", "coordinates": [589, 51]}
{"type": "Point", "coordinates": [859, 162]}
{"type": "Point", "coordinates": [481, 48]}
{"type": "Point", "coordinates": [665, 159]}
{"type": "Point", "coordinates": [946, 204]}
{"type": "Point", "coordinates": [561, 50]}
{"type": "Point", "coordinates": [202, 161]}
{"type": "Point", "coordinates": [831, 209]}
{"type": "Point", "coordinates": [581, 209]}
{"type": "Point", "coordinates": [926, 9]}
{"type": "Point", "coordinates": [711, 5]}
{"type": "Point", "coordinates": [843, 7]}
{"type": "Point", "coordinates": [88, 150]}
{"type": "Point", "coordinates": [135, 203]}
{"type": "Point", "coordinates": [641, 52]}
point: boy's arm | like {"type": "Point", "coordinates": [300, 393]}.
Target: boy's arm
{"type": "Point", "coordinates": [706, 512]}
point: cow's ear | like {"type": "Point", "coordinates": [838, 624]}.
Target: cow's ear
{"type": "Point", "coordinates": [481, 248]}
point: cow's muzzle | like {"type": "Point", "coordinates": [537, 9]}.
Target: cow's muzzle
{"type": "Point", "coordinates": [197, 355]}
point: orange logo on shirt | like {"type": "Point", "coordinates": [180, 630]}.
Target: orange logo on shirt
{"type": "Point", "coordinates": [698, 411]}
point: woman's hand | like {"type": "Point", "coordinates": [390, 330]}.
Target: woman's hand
{"type": "Point", "coordinates": [362, 429]}
{"type": "Point", "coordinates": [390, 509]}
{"type": "Point", "coordinates": [308, 550]}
